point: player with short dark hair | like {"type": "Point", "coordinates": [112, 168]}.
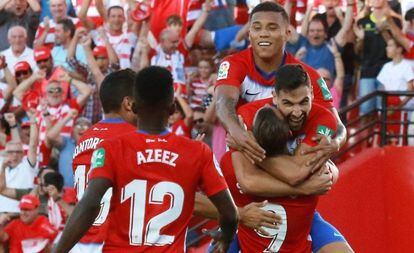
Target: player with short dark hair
{"type": "Point", "coordinates": [116, 96]}
{"type": "Point", "coordinates": [154, 179]}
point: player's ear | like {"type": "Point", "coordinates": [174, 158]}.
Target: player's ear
{"type": "Point", "coordinates": [128, 104]}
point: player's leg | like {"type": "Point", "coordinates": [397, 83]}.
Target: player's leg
{"type": "Point", "coordinates": [326, 238]}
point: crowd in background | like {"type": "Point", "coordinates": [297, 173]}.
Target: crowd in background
{"type": "Point", "coordinates": [54, 55]}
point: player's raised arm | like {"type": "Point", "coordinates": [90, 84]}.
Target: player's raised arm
{"type": "Point", "coordinates": [84, 214]}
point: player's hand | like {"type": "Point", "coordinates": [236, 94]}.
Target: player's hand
{"type": "Point", "coordinates": [326, 148]}
{"type": "Point", "coordinates": [219, 245]}
{"type": "Point", "coordinates": [242, 140]}
{"type": "Point", "coordinates": [200, 137]}
{"type": "Point", "coordinates": [317, 184]}
{"type": "Point", "coordinates": [253, 216]}
{"type": "Point", "coordinates": [10, 118]}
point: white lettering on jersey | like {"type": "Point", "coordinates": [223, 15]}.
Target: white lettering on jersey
{"type": "Point", "coordinates": [157, 156]}
{"type": "Point", "coordinates": [87, 144]}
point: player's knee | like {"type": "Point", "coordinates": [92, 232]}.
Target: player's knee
{"type": "Point", "coordinates": [336, 247]}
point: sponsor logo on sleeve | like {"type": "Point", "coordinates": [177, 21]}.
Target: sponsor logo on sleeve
{"type": "Point", "coordinates": [223, 70]}
{"type": "Point", "coordinates": [324, 130]}
{"type": "Point", "coordinates": [98, 158]}
{"type": "Point", "coordinates": [324, 88]}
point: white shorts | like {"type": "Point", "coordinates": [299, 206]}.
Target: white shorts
{"type": "Point", "coordinates": [87, 248]}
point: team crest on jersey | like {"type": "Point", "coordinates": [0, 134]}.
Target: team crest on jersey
{"type": "Point", "coordinates": [324, 130]}
{"type": "Point", "coordinates": [98, 158]}
{"type": "Point", "coordinates": [324, 88]}
{"type": "Point", "coordinates": [223, 70]}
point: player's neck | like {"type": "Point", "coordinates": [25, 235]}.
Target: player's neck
{"type": "Point", "coordinates": [112, 115]}
{"type": "Point", "coordinates": [152, 125]}
{"type": "Point", "coordinates": [269, 65]}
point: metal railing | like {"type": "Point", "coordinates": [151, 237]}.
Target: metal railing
{"type": "Point", "coordinates": [374, 123]}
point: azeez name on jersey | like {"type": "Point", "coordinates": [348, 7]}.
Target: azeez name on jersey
{"type": "Point", "coordinates": [147, 156]}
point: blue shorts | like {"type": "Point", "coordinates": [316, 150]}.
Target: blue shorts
{"type": "Point", "coordinates": [322, 233]}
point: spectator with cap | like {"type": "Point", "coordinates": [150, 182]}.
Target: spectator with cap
{"type": "Point", "coordinates": [31, 232]}
{"type": "Point", "coordinates": [45, 34]}
{"type": "Point", "coordinates": [102, 60]}
{"type": "Point", "coordinates": [38, 81]}
{"type": "Point", "coordinates": [18, 50]}
{"type": "Point", "coordinates": [66, 144]}
{"type": "Point", "coordinates": [24, 13]}
{"type": "Point", "coordinates": [64, 32]}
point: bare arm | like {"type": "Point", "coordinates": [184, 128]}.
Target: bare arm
{"type": "Point", "coordinates": [306, 20]}
{"type": "Point", "coordinates": [188, 112]}
{"type": "Point", "coordinates": [340, 37]}
{"type": "Point", "coordinates": [227, 98]}
{"type": "Point", "coordinates": [4, 190]}
{"type": "Point", "coordinates": [83, 215]}
{"type": "Point", "coordinates": [42, 38]}
{"type": "Point", "coordinates": [33, 141]}
{"type": "Point", "coordinates": [11, 84]}
{"type": "Point", "coordinates": [101, 9]}
{"type": "Point", "coordinates": [112, 55]}
{"type": "Point", "coordinates": [34, 5]}
{"type": "Point", "coordinates": [84, 89]}
{"type": "Point", "coordinates": [82, 15]}
{"type": "Point", "coordinates": [3, 4]}
{"type": "Point", "coordinates": [14, 130]}
{"type": "Point", "coordinates": [398, 34]}
{"type": "Point", "coordinates": [198, 24]}
{"type": "Point", "coordinates": [26, 84]}
{"type": "Point", "coordinates": [140, 59]}
{"type": "Point", "coordinates": [74, 42]}
{"type": "Point", "coordinates": [93, 66]}
{"type": "Point", "coordinates": [53, 134]}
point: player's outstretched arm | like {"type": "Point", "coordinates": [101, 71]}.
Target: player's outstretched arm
{"type": "Point", "coordinates": [84, 215]}
{"type": "Point", "coordinates": [228, 217]}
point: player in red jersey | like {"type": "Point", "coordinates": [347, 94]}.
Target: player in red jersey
{"type": "Point", "coordinates": [293, 99]}
{"type": "Point", "coordinates": [250, 75]}
{"type": "Point", "coordinates": [153, 197]}
{"type": "Point", "coordinates": [115, 95]}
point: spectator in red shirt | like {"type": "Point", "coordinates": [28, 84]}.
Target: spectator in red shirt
{"type": "Point", "coordinates": [31, 232]}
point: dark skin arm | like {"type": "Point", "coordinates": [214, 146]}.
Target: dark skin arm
{"type": "Point", "coordinates": [228, 219]}
{"type": "Point", "coordinates": [84, 214]}
{"type": "Point", "coordinates": [227, 98]}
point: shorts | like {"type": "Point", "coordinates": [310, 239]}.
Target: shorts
{"type": "Point", "coordinates": [323, 233]}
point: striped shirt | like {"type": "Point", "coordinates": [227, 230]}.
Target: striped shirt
{"type": "Point", "coordinates": [199, 91]}
{"type": "Point", "coordinates": [50, 37]}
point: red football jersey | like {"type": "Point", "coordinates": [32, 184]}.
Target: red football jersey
{"type": "Point", "coordinates": [240, 70]}
{"type": "Point", "coordinates": [319, 121]}
{"type": "Point", "coordinates": [154, 180]}
{"type": "Point", "coordinates": [32, 237]}
{"type": "Point", "coordinates": [81, 164]}
{"type": "Point", "coordinates": [292, 234]}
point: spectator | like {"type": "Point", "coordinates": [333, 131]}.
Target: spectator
{"type": "Point", "coordinates": [46, 9]}
{"type": "Point", "coordinates": [335, 85]}
{"type": "Point", "coordinates": [311, 46]}
{"type": "Point", "coordinates": [396, 75]}
{"type": "Point", "coordinates": [18, 51]}
{"type": "Point", "coordinates": [371, 46]}
{"type": "Point", "coordinates": [199, 85]}
{"type": "Point", "coordinates": [102, 60]}
{"type": "Point", "coordinates": [181, 121]}
{"type": "Point", "coordinates": [45, 34]}
{"type": "Point", "coordinates": [38, 81]}
{"type": "Point", "coordinates": [58, 210]}
{"type": "Point", "coordinates": [29, 233]}
{"type": "Point", "coordinates": [122, 42]}
{"type": "Point", "coordinates": [66, 144]}
{"type": "Point", "coordinates": [168, 56]}
{"type": "Point", "coordinates": [23, 13]}
{"type": "Point", "coordinates": [19, 171]}
{"type": "Point", "coordinates": [64, 32]}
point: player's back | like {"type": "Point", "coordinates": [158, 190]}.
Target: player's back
{"type": "Point", "coordinates": [81, 164]}
{"type": "Point", "coordinates": [154, 180]}
{"type": "Point", "coordinates": [296, 212]}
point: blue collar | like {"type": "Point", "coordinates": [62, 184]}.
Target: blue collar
{"type": "Point", "coordinates": [165, 132]}
{"type": "Point", "coordinates": [113, 120]}
{"type": "Point", "coordinates": [272, 74]}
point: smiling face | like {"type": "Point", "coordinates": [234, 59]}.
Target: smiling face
{"type": "Point", "coordinates": [294, 105]}
{"type": "Point", "coordinates": [268, 34]}
{"type": "Point", "coordinates": [116, 19]}
{"type": "Point", "coordinates": [58, 9]}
